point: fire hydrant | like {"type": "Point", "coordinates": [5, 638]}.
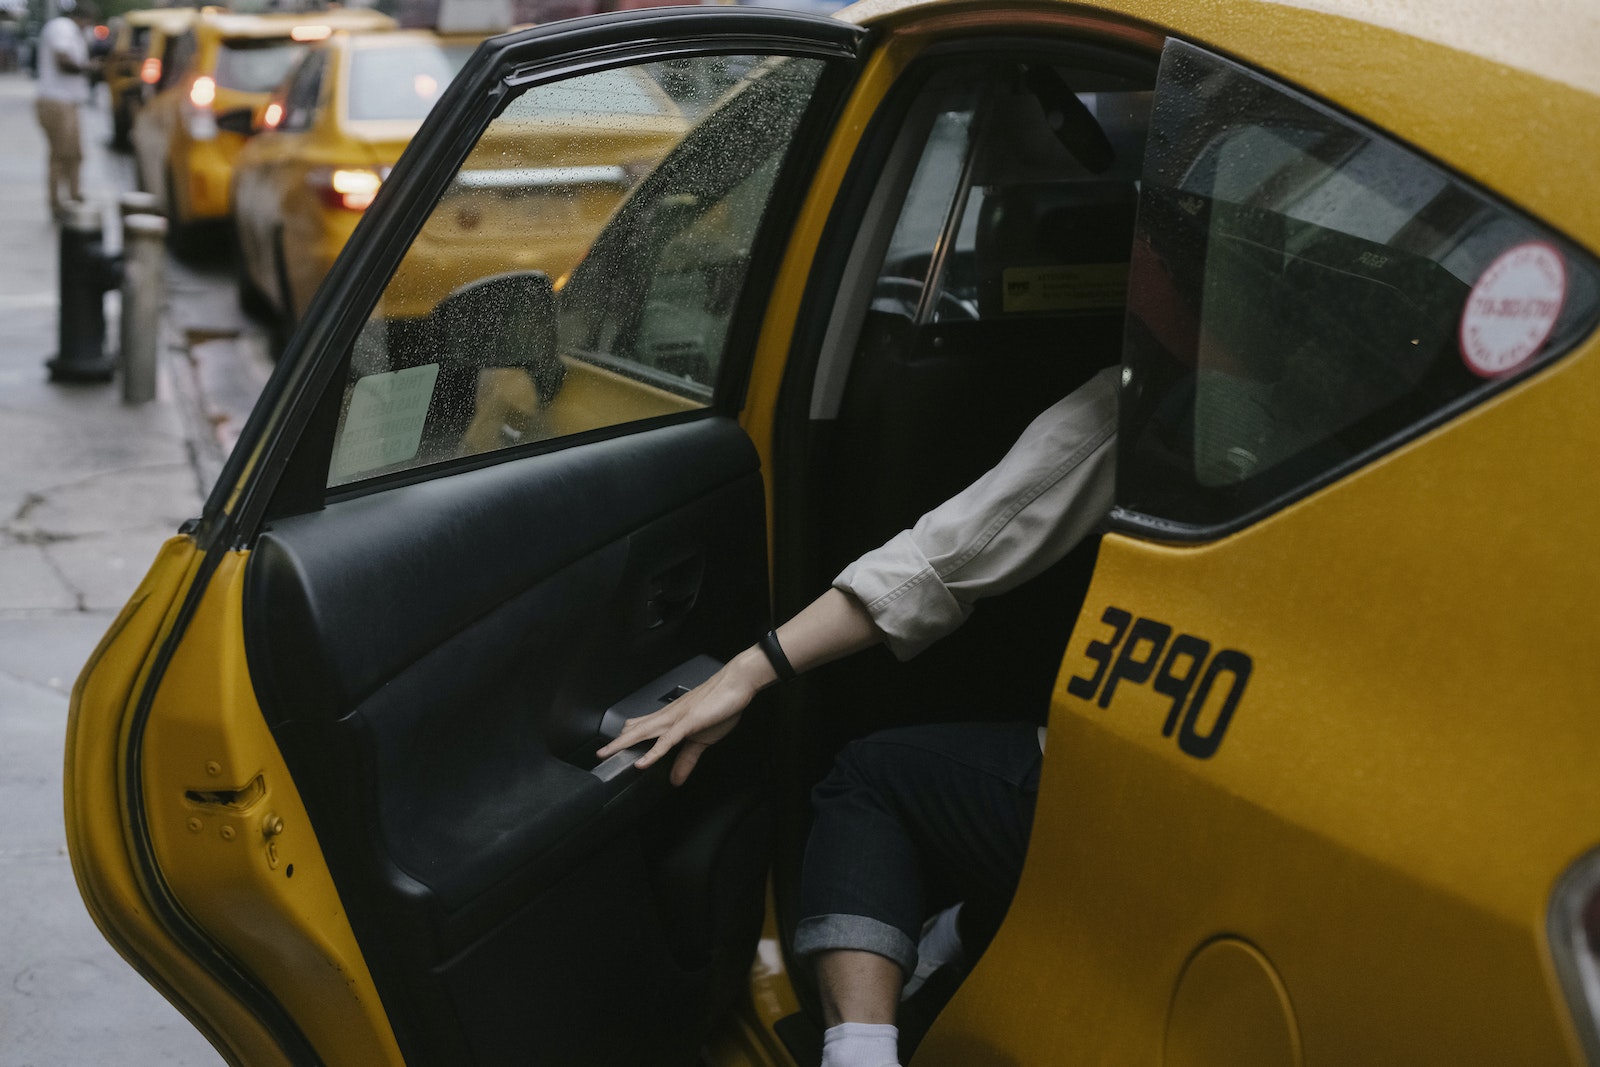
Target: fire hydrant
{"type": "Point", "coordinates": [87, 273]}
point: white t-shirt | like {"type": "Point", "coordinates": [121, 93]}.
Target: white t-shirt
{"type": "Point", "coordinates": [61, 37]}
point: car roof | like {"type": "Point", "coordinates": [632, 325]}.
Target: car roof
{"type": "Point", "coordinates": [169, 19]}
{"type": "Point", "coordinates": [1504, 93]}
{"type": "Point", "coordinates": [280, 24]}
{"type": "Point", "coordinates": [401, 38]}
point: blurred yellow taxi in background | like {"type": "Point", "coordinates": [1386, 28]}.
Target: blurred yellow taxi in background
{"type": "Point", "coordinates": [132, 63]}
{"type": "Point", "coordinates": [214, 75]}
{"type": "Point", "coordinates": [326, 141]}
{"type": "Point", "coordinates": [345, 114]}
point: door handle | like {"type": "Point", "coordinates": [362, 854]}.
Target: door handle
{"type": "Point", "coordinates": [673, 592]}
{"type": "Point", "coordinates": [653, 696]}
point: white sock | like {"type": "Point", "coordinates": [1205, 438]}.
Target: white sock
{"type": "Point", "coordinates": [940, 944]}
{"type": "Point", "coordinates": [861, 1045]}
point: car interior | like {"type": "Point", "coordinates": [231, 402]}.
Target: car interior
{"type": "Point", "coordinates": [440, 659]}
{"type": "Point", "coordinates": [992, 286]}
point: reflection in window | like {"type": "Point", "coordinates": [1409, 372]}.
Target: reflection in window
{"type": "Point", "coordinates": [1300, 296]}
{"type": "Point", "coordinates": [599, 235]}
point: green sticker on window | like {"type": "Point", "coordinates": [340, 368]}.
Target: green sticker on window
{"type": "Point", "coordinates": [384, 422]}
{"type": "Point", "coordinates": [1067, 287]}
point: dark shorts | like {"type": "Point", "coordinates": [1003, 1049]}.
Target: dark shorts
{"type": "Point", "coordinates": [911, 820]}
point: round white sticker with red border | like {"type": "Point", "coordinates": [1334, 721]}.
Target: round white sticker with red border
{"type": "Point", "coordinates": [1512, 309]}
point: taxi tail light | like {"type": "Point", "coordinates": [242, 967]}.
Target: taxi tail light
{"type": "Point", "coordinates": [1574, 931]}
{"type": "Point", "coordinates": [347, 188]}
{"type": "Point", "coordinates": [198, 116]}
{"type": "Point", "coordinates": [150, 70]}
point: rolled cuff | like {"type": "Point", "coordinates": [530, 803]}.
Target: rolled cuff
{"type": "Point", "coordinates": [824, 933]}
{"type": "Point", "coordinates": [904, 595]}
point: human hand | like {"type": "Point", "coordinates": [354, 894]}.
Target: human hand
{"type": "Point", "coordinates": [698, 719]}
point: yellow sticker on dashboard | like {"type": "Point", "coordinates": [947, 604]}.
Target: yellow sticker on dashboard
{"type": "Point", "coordinates": [1067, 287]}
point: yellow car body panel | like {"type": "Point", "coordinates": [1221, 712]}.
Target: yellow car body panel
{"type": "Point", "coordinates": [136, 31]}
{"type": "Point", "coordinates": [194, 173]}
{"type": "Point", "coordinates": [234, 848]}
{"type": "Point", "coordinates": [238, 832]}
{"type": "Point", "coordinates": [1418, 630]}
{"type": "Point", "coordinates": [1430, 707]}
{"type": "Point", "coordinates": [272, 173]}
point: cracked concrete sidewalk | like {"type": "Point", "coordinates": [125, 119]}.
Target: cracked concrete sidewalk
{"type": "Point", "coordinates": [89, 488]}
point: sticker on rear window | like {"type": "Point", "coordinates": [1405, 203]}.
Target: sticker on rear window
{"type": "Point", "coordinates": [384, 423]}
{"type": "Point", "coordinates": [1512, 309]}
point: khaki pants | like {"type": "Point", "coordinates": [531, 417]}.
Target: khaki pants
{"type": "Point", "coordinates": [60, 121]}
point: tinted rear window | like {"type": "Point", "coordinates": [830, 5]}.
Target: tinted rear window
{"type": "Point", "coordinates": [401, 82]}
{"type": "Point", "coordinates": [255, 66]}
{"type": "Point", "coordinates": [1307, 293]}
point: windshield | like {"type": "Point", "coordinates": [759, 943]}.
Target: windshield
{"type": "Point", "coordinates": [401, 82]}
{"type": "Point", "coordinates": [255, 66]}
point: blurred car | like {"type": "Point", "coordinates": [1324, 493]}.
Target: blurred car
{"type": "Point", "coordinates": [213, 76]}
{"type": "Point", "coordinates": [1319, 786]}
{"type": "Point", "coordinates": [324, 143]}
{"type": "Point", "coordinates": [332, 133]}
{"type": "Point", "coordinates": [132, 63]}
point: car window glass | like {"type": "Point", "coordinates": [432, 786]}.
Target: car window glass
{"type": "Point", "coordinates": [1306, 290]}
{"type": "Point", "coordinates": [400, 82]}
{"type": "Point", "coordinates": [1002, 217]}
{"type": "Point", "coordinates": [520, 314]}
{"type": "Point", "coordinates": [255, 66]}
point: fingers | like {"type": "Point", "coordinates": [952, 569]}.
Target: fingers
{"type": "Point", "coordinates": [688, 756]}
{"type": "Point", "coordinates": [662, 746]}
{"type": "Point", "coordinates": [636, 730]}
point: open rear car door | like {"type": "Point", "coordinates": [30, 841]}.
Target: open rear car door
{"type": "Point", "coordinates": [331, 775]}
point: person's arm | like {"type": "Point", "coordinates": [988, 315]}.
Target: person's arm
{"type": "Point", "coordinates": [829, 628]}
{"type": "Point", "coordinates": [1050, 489]}
{"type": "Point", "coordinates": [1048, 492]}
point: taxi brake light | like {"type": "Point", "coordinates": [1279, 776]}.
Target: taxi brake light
{"type": "Point", "coordinates": [150, 70]}
{"type": "Point", "coordinates": [204, 91]}
{"type": "Point", "coordinates": [272, 116]}
{"type": "Point", "coordinates": [346, 188]}
{"type": "Point", "coordinates": [310, 33]}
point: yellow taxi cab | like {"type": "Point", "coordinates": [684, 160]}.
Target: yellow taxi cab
{"type": "Point", "coordinates": [1319, 783]}
{"type": "Point", "coordinates": [212, 76]}
{"type": "Point", "coordinates": [333, 131]}
{"type": "Point", "coordinates": [132, 63]}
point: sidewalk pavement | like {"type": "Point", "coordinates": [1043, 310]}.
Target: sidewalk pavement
{"type": "Point", "coordinates": [89, 488]}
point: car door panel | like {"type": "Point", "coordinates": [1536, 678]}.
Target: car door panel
{"type": "Point", "coordinates": [436, 661]}
{"type": "Point", "coordinates": [360, 801]}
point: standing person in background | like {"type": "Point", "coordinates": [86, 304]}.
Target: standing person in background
{"type": "Point", "coordinates": [63, 88]}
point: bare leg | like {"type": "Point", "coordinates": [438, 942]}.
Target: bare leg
{"type": "Point", "coordinates": [857, 987]}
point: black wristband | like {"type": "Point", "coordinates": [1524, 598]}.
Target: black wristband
{"type": "Point", "coordinates": [768, 644]}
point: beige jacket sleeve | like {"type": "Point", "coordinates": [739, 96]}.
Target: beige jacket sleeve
{"type": "Point", "coordinates": [1050, 489]}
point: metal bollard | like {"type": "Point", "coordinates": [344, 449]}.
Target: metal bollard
{"type": "Point", "coordinates": [143, 254]}
{"type": "Point", "coordinates": [86, 272]}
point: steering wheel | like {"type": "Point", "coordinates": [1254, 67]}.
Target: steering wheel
{"type": "Point", "coordinates": [902, 295]}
